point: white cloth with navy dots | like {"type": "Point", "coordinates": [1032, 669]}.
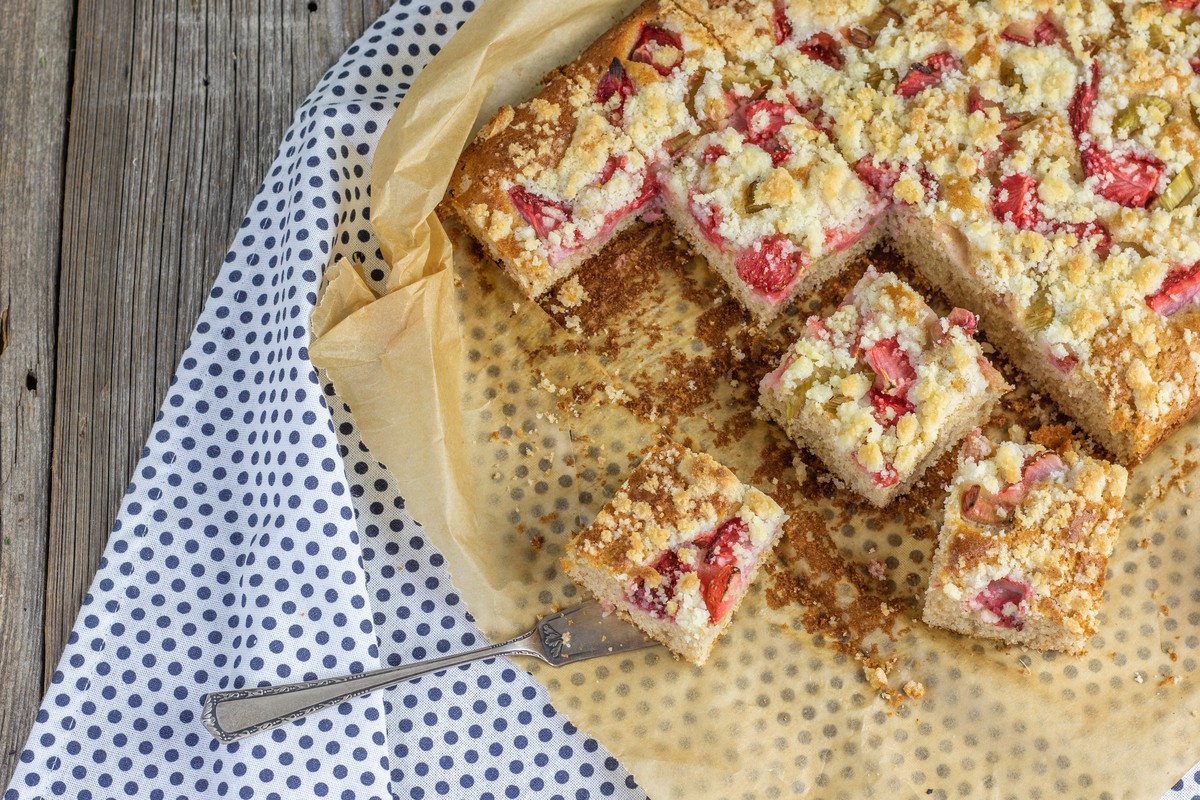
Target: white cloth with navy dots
{"type": "Point", "coordinates": [257, 545]}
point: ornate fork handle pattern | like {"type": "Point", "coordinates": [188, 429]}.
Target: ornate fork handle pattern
{"type": "Point", "coordinates": [235, 714]}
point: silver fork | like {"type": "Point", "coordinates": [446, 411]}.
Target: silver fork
{"type": "Point", "coordinates": [575, 634]}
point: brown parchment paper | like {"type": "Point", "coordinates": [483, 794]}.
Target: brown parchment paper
{"type": "Point", "coordinates": [508, 424]}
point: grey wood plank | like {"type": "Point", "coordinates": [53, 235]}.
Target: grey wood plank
{"type": "Point", "coordinates": [178, 110]}
{"type": "Point", "coordinates": [34, 48]}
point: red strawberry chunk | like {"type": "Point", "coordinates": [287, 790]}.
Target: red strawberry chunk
{"type": "Point", "coordinates": [1125, 178]}
{"type": "Point", "coordinates": [1007, 599]}
{"type": "Point", "coordinates": [721, 577]}
{"type": "Point", "coordinates": [1083, 102]}
{"type": "Point", "coordinates": [880, 177]}
{"type": "Point", "coordinates": [1194, 63]}
{"type": "Point", "coordinates": [1063, 364]}
{"type": "Point", "coordinates": [708, 217]}
{"type": "Point", "coordinates": [760, 122]}
{"type": "Point", "coordinates": [771, 264]}
{"type": "Point", "coordinates": [653, 599]}
{"type": "Point", "coordinates": [821, 46]}
{"type": "Point", "coordinates": [889, 408]}
{"type": "Point", "coordinates": [780, 22]}
{"type": "Point", "coordinates": [1179, 288]}
{"type": "Point", "coordinates": [1087, 230]}
{"type": "Point", "coordinates": [652, 39]}
{"type": "Point", "coordinates": [1015, 200]}
{"type": "Point", "coordinates": [1181, 5]}
{"type": "Point", "coordinates": [544, 214]}
{"type": "Point", "coordinates": [817, 327]}
{"type": "Point", "coordinates": [923, 75]}
{"type": "Point", "coordinates": [961, 318]}
{"type": "Point", "coordinates": [885, 477]}
{"type": "Point", "coordinates": [614, 83]}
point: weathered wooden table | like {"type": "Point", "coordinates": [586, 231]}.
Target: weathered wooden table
{"type": "Point", "coordinates": [133, 137]}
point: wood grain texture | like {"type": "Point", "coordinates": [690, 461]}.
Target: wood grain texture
{"type": "Point", "coordinates": [34, 48]}
{"type": "Point", "coordinates": [176, 110]}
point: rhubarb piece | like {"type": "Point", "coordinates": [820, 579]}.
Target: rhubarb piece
{"type": "Point", "coordinates": [1024, 543]}
{"type": "Point", "coordinates": [882, 387]}
{"type": "Point", "coordinates": [677, 548]}
{"type": "Point", "coordinates": [925, 74]}
{"type": "Point", "coordinates": [1179, 288]}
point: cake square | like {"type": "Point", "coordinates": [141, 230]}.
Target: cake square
{"type": "Point", "coordinates": [769, 202]}
{"type": "Point", "coordinates": [1024, 545]}
{"type": "Point", "coordinates": [676, 548]}
{"type": "Point", "coordinates": [882, 387]}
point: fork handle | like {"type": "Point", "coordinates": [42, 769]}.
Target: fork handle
{"type": "Point", "coordinates": [238, 713]}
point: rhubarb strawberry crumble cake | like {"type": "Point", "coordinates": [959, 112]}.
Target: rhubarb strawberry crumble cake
{"type": "Point", "coordinates": [676, 548]}
{"type": "Point", "coordinates": [1024, 545]}
{"type": "Point", "coordinates": [883, 387]}
{"type": "Point", "coordinates": [1032, 160]}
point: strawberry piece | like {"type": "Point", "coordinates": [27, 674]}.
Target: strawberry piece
{"type": "Point", "coordinates": [1125, 178]}
{"type": "Point", "coordinates": [1007, 599]}
{"type": "Point", "coordinates": [760, 122]}
{"type": "Point", "coordinates": [708, 217]}
{"type": "Point", "coordinates": [1087, 230]}
{"type": "Point", "coordinates": [1064, 364]}
{"type": "Point", "coordinates": [1083, 102]}
{"type": "Point", "coordinates": [817, 327]}
{"type": "Point", "coordinates": [894, 372]}
{"type": "Point", "coordinates": [721, 578]}
{"type": "Point", "coordinates": [961, 318]}
{"type": "Point", "coordinates": [923, 75]}
{"type": "Point", "coordinates": [880, 177]}
{"type": "Point", "coordinates": [1180, 5]}
{"type": "Point", "coordinates": [885, 477]}
{"type": "Point", "coordinates": [1194, 63]}
{"type": "Point", "coordinates": [712, 153]}
{"type": "Point", "coordinates": [614, 83]}
{"type": "Point", "coordinates": [771, 264]}
{"type": "Point", "coordinates": [544, 214]}
{"type": "Point", "coordinates": [609, 169]}
{"type": "Point", "coordinates": [762, 119]}
{"type": "Point", "coordinates": [889, 408]}
{"type": "Point", "coordinates": [654, 599]}
{"type": "Point", "coordinates": [653, 39]}
{"type": "Point", "coordinates": [780, 23]}
{"type": "Point", "coordinates": [1015, 200]}
{"type": "Point", "coordinates": [821, 46]}
{"type": "Point", "coordinates": [1179, 288]}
